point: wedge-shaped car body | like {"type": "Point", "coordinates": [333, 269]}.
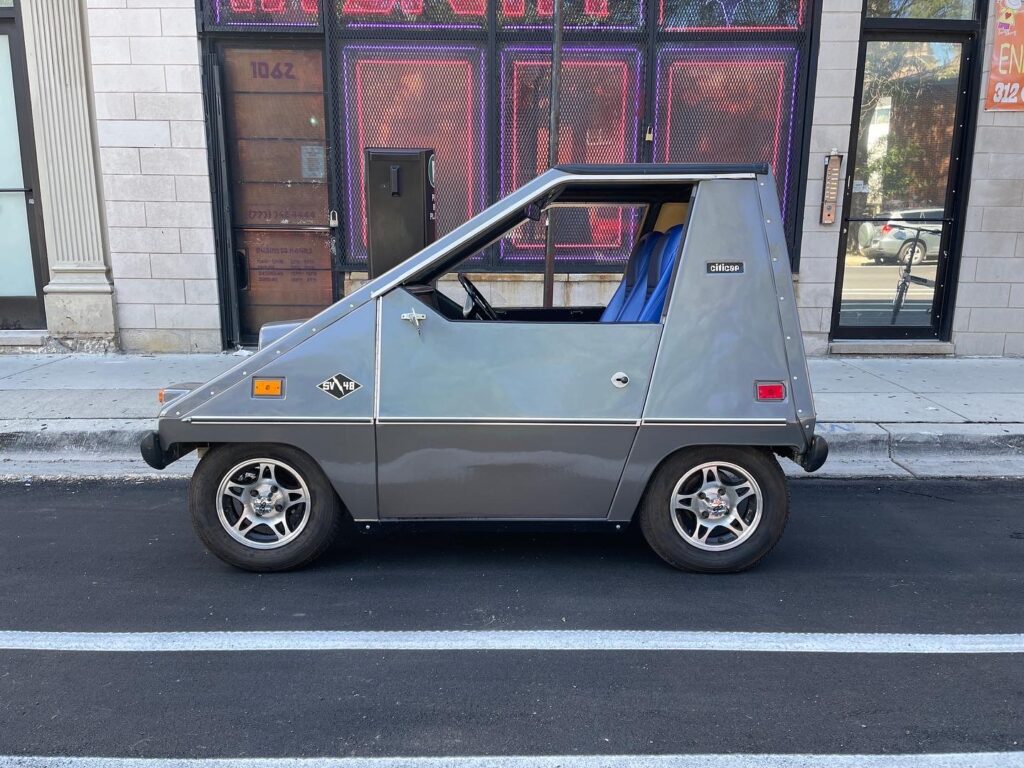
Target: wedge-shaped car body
{"type": "Point", "coordinates": [670, 404]}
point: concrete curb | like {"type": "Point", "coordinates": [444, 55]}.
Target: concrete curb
{"type": "Point", "coordinates": [109, 448]}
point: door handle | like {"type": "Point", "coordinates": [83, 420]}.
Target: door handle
{"type": "Point", "coordinates": [620, 379]}
{"type": "Point", "coordinates": [414, 317]}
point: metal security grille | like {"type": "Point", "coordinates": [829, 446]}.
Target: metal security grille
{"type": "Point", "coordinates": [600, 123]}
{"type": "Point", "coordinates": [730, 15]}
{"type": "Point", "coordinates": [578, 15]}
{"type": "Point", "coordinates": [419, 96]}
{"type": "Point", "coordinates": [654, 80]}
{"type": "Point", "coordinates": [735, 103]}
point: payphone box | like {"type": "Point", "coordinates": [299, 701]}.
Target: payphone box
{"type": "Point", "coordinates": [401, 205]}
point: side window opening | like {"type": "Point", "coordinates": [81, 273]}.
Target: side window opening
{"type": "Point", "coordinates": [643, 241]}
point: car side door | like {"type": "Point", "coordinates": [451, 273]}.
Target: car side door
{"type": "Point", "coordinates": [504, 420]}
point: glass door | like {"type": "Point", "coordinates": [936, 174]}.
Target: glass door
{"type": "Point", "coordinates": [21, 305]}
{"type": "Point", "coordinates": [904, 187]}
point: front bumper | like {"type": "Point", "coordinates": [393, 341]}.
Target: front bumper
{"type": "Point", "coordinates": [153, 452]}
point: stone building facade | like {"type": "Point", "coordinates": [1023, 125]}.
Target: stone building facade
{"type": "Point", "coordinates": [119, 108]}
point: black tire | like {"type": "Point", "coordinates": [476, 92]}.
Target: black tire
{"type": "Point", "coordinates": [915, 250]}
{"type": "Point", "coordinates": [897, 302]}
{"type": "Point", "coordinates": [324, 514]}
{"type": "Point", "coordinates": [656, 515]}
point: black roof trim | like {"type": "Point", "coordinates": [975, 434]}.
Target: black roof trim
{"type": "Point", "coordinates": [657, 169]}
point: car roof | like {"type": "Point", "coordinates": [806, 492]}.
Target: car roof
{"type": "Point", "coordinates": [662, 169]}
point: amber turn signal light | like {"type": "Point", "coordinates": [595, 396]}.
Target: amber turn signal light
{"type": "Point", "coordinates": [771, 390]}
{"type": "Point", "coordinates": [267, 387]}
{"type": "Point", "coordinates": [160, 397]}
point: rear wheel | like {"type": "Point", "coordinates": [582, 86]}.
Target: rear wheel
{"type": "Point", "coordinates": [263, 507]}
{"type": "Point", "coordinates": [715, 509]}
{"type": "Point", "coordinates": [914, 252]}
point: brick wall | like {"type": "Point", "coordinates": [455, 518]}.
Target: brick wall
{"type": "Point", "coordinates": [149, 113]}
{"type": "Point", "coordinates": [989, 317]}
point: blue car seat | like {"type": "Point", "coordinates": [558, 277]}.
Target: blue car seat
{"type": "Point", "coordinates": [634, 280]}
{"type": "Point", "coordinates": [659, 274]}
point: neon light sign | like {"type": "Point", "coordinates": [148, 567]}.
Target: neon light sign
{"type": "Point", "coordinates": [472, 14]}
{"type": "Point", "coordinates": [409, 7]}
{"type": "Point", "coordinates": [279, 13]}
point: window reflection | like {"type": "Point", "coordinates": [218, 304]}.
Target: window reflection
{"type": "Point", "coordinates": [905, 135]}
{"type": "Point", "coordinates": [921, 9]}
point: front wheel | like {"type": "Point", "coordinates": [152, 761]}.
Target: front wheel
{"type": "Point", "coordinates": [263, 507]}
{"type": "Point", "coordinates": [715, 509]}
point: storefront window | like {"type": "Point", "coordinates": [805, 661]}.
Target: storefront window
{"type": "Point", "coordinates": [15, 247]}
{"type": "Point", "coordinates": [921, 9]}
{"type": "Point", "coordinates": [693, 15]}
{"type": "Point", "coordinates": [416, 97]}
{"type": "Point", "coordinates": [728, 103]}
{"type": "Point", "coordinates": [655, 81]}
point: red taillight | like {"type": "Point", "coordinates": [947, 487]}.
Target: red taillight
{"type": "Point", "coordinates": [886, 229]}
{"type": "Point", "coordinates": [771, 390]}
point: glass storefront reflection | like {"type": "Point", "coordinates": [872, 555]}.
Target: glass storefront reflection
{"type": "Point", "coordinates": [897, 224]}
{"type": "Point", "coordinates": [877, 260]}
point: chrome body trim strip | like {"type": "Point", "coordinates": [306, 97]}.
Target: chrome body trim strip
{"type": "Point", "coordinates": [524, 422]}
{"type": "Point", "coordinates": [279, 420]}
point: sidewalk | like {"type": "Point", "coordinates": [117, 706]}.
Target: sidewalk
{"type": "Point", "coordinates": [83, 414]}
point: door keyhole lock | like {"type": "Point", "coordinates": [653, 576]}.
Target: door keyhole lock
{"type": "Point", "coordinates": [620, 379]}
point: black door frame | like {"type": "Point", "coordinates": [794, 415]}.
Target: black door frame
{"type": "Point", "coordinates": [213, 46]}
{"type": "Point", "coordinates": [28, 312]}
{"type": "Point", "coordinates": [969, 33]}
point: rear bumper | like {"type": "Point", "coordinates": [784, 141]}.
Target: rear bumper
{"type": "Point", "coordinates": [153, 452]}
{"type": "Point", "coordinates": [814, 457]}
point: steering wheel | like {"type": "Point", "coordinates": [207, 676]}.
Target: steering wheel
{"type": "Point", "coordinates": [475, 300]}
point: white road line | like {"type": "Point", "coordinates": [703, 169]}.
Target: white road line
{"type": "Point", "coordinates": [497, 640]}
{"type": "Point", "coordinates": [951, 760]}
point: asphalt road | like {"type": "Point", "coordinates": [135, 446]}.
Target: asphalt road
{"type": "Point", "coordinates": [857, 557]}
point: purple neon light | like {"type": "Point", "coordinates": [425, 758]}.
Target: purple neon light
{"type": "Point", "coordinates": [429, 27]}
{"type": "Point", "coordinates": [790, 51]}
{"type": "Point", "coordinates": [576, 27]}
{"type": "Point", "coordinates": [350, 55]}
{"type": "Point", "coordinates": [789, 140]}
{"type": "Point", "coordinates": [539, 54]}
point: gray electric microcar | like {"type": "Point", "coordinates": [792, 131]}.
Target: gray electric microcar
{"type": "Point", "coordinates": [670, 404]}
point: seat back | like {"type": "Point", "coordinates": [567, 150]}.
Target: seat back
{"type": "Point", "coordinates": [659, 274]}
{"type": "Point", "coordinates": [634, 277]}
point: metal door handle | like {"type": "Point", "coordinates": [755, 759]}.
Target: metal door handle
{"type": "Point", "coordinates": [414, 317]}
{"type": "Point", "coordinates": [620, 379]}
